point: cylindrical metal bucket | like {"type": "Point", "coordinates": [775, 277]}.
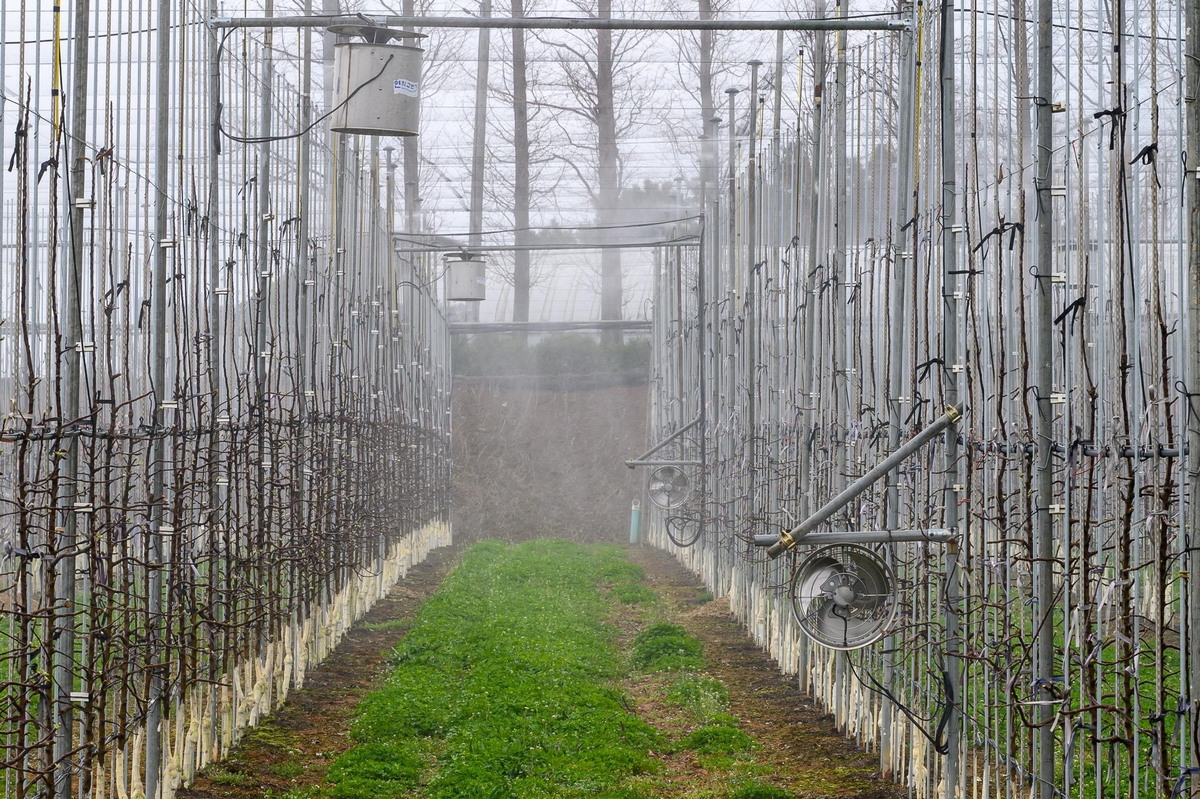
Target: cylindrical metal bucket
{"type": "Point", "coordinates": [466, 278]}
{"type": "Point", "coordinates": [376, 89]}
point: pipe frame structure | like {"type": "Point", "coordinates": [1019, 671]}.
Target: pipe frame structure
{"type": "Point", "coordinates": [564, 23]}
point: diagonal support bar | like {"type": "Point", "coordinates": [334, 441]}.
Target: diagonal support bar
{"type": "Point", "coordinates": [641, 460]}
{"type": "Point", "coordinates": [797, 534]}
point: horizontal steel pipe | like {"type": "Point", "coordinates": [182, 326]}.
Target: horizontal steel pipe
{"type": "Point", "coordinates": [457, 328]}
{"type": "Point", "coordinates": [864, 537]}
{"type": "Point", "coordinates": [566, 23]}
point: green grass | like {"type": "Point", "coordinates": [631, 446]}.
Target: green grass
{"type": "Point", "coordinates": [717, 739]}
{"type": "Point", "coordinates": [751, 789]}
{"type": "Point", "coordinates": [666, 647]}
{"type": "Point", "coordinates": [634, 594]}
{"type": "Point", "coordinates": [503, 686]}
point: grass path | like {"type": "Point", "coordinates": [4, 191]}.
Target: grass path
{"type": "Point", "coordinates": [552, 669]}
{"type": "Point", "coordinates": [503, 687]}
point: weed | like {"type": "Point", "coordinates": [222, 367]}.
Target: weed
{"type": "Point", "coordinates": [377, 769]}
{"type": "Point", "coordinates": [266, 735]}
{"type": "Point", "coordinates": [634, 594]}
{"type": "Point", "coordinates": [704, 597]}
{"type": "Point", "coordinates": [702, 697]}
{"type": "Point", "coordinates": [309, 792]}
{"type": "Point", "coordinates": [666, 647]}
{"type": "Point", "coordinates": [235, 778]}
{"type": "Point", "coordinates": [288, 769]}
{"type": "Point", "coordinates": [718, 740]}
{"type": "Point", "coordinates": [752, 789]}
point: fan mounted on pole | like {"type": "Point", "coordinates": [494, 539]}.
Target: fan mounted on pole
{"type": "Point", "coordinates": [669, 486]}
{"type": "Point", "coordinates": [844, 596]}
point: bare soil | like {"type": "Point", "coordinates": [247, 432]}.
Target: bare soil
{"type": "Point", "coordinates": [293, 749]}
{"type": "Point", "coordinates": [801, 749]}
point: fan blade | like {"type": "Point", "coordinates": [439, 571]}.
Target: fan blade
{"type": "Point", "coordinates": [815, 573]}
{"type": "Point", "coordinates": [874, 587]}
{"type": "Point", "coordinates": [668, 486]}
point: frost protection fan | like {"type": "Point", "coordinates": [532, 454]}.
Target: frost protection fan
{"type": "Point", "coordinates": [668, 486]}
{"type": "Point", "coordinates": [843, 595]}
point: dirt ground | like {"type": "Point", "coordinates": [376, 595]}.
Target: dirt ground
{"type": "Point", "coordinates": [294, 748]}
{"type": "Point", "coordinates": [800, 745]}
{"type": "Point", "coordinates": [289, 754]}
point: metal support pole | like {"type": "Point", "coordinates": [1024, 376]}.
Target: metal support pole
{"type": "Point", "coordinates": [731, 242]}
{"type": "Point", "coordinates": [412, 189]}
{"type": "Point", "coordinates": [841, 282]}
{"type": "Point", "coordinates": [73, 409]}
{"type": "Point", "coordinates": [216, 500]}
{"type": "Point", "coordinates": [939, 536]}
{"type": "Point", "coordinates": [777, 116]}
{"type": "Point", "coordinates": [214, 250]}
{"type": "Point", "coordinates": [702, 348]}
{"type": "Point", "coordinates": [262, 277]}
{"type": "Point", "coordinates": [900, 255]}
{"type": "Point", "coordinates": [751, 298]}
{"type": "Point", "coordinates": [951, 369]}
{"type": "Point", "coordinates": [159, 394]}
{"type": "Point", "coordinates": [808, 306]}
{"type": "Point", "coordinates": [304, 168]}
{"type": "Point", "coordinates": [480, 137]}
{"type": "Point", "coordinates": [1191, 95]}
{"type": "Point", "coordinates": [1044, 422]}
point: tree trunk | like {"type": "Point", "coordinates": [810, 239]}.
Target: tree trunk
{"type": "Point", "coordinates": [609, 190]}
{"type": "Point", "coordinates": [707, 104]}
{"type": "Point", "coordinates": [521, 171]}
{"type": "Point", "coordinates": [478, 145]}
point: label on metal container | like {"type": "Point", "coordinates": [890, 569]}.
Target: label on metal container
{"type": "Point", "coordinates": [405, 87]}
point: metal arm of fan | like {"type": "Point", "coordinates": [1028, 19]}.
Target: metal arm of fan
{"type": "Point", "coordinates": [938, 535]}
{"type": "Point", "coordinates": [791, 538]}
{"type": "Point", "coordinates": [641, 460]}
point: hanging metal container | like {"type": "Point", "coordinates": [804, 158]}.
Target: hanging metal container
{"type": "Point", "coordinates": [377, 84]}
{"type": "Point", "coordinates": [466, 277]}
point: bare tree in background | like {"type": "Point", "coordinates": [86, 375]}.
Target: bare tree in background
{"type": "Point", "coordinates": [703, 59]}
{"type": "Point", "coordinates": [605, 86]}
{"type": "Point", "coordinates": [527, 146]}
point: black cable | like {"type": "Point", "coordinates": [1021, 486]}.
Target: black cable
{"type": "Point", "coordinates": [937, 739]}
{"type": "Point", "coordinates": [674, 522]}
{"type": "Point", "coordinates": [317, 121]}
